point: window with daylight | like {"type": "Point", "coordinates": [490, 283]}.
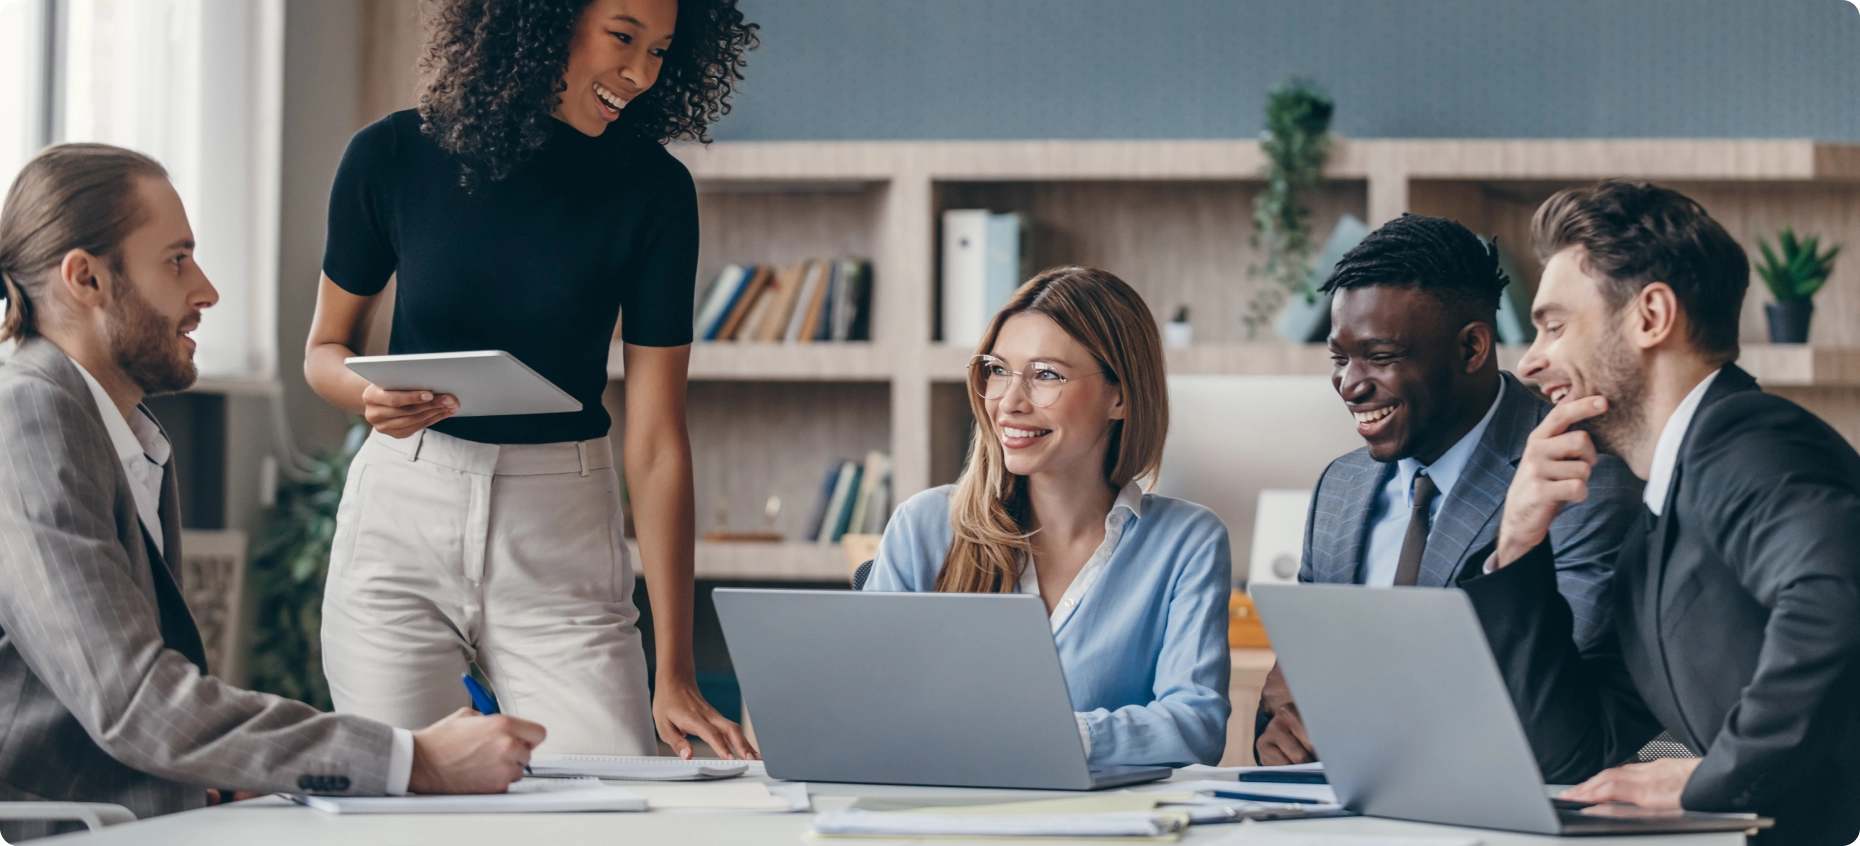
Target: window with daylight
{"type": "Point", "coordinates": [196, 84]}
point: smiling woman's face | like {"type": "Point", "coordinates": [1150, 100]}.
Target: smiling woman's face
{"type": "Point", "coordinates": [616, 53]}
{"type": "Point", "coordinates": [1070, 435]}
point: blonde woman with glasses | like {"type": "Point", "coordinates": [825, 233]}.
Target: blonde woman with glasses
{"type": "Point", "coordinates": [1071, 409]}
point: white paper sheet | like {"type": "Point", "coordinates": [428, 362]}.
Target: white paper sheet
{"type": "Point", "coordinates": [530, 795]}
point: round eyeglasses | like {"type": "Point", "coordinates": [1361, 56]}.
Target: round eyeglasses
{"type": "Point", "coordinates": [990, 378]}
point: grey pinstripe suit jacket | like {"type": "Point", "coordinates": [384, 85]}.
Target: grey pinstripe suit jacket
{"type": "Point", "coordinates": [93, 706]}
{"type": "Point", "coordinates": [1584, 535]}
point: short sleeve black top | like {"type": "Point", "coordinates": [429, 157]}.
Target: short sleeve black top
{"type": "Point", "coordinates": [539, 264]}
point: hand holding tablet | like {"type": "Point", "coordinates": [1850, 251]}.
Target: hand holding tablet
{"type": "Point", "coordinates": [477, 383]}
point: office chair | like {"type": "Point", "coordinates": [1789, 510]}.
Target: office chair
{"type": "Point", "coordinates": [94, 815]}
{"type": "Point", "coordinates": [863, 572]}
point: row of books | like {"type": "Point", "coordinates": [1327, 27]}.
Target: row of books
{"type": "Point", "coordinates": [855, 498]}
{"type": "Point", "coordinates": [813, 300]}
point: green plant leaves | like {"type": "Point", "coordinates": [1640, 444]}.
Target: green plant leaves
{"type": "Point", "coordinates": [1796, 269]}
{"type": "Point", "coordinates": [289, 566]}
{"type": "Point", "coordinates": [1296, 144]}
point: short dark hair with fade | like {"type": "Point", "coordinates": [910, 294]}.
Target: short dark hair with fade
{"type": "Point", "coordinates": [1433, 254]}
{"type": "Point", "coordinates": [1633, 234]}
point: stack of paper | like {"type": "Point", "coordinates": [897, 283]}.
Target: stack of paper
{"type": "Point", "coordinates": [634, 768]}
{"type": "Point", "coordinates": [1260, 836]}
{"type": "Point", "coordinates": [857, 823]}
{"type": "Point", "coordinates": [524, 797]}
{"type": "Point", "coordinates": [1103, 815]}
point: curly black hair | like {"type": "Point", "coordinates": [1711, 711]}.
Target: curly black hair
{"type": "Point", "coordinates": [494, 69]}
{"type": "Point", "coordinates": [1434, 254]}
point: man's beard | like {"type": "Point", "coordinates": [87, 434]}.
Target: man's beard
{"type": "Point", "coordinates": [1616, 374]}
{"type": "Point", "coordinates": [147, 345]}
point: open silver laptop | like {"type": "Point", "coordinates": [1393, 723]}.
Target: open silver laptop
{"type": "Point", "coordinates": [1410, 714]}
{"type": "Point", "coordinates": [961, 690]}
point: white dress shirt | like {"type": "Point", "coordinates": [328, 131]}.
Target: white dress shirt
{"type": "Point", "coordinates": [1129, 504]}
{"type": "Point", "coordinates": [144, 451]}
{"type": "Point", "coordinates": [1388, 517]}
{"type": "Point", "coordinates": [1666, 450]}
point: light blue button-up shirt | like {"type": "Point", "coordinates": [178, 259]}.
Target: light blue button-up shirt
{"type": "Point", "coordinates": [1143, 640]}
{"type": "Point", "coordinates": [1388, 519]}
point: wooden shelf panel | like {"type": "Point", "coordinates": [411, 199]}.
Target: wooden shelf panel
{"type": "Point", "coordinates": [750, 561]}
{"type": "Point", "coordinates": [1772, 364]}
{"type": "Point", "coordinates": [843, 361]}
{"type": "Point", "coordinates": [1550, 158]}
{"type": "Point", "coordinates": [1587, 158]}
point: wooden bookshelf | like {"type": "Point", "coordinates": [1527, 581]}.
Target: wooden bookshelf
{"type": "Point", "coordinates": [1174, 219]}
{"type": "Point", "coordinates": [787, 561]}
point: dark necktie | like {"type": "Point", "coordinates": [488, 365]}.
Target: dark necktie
{"type": "Point", "coordinates": [1414, 544]}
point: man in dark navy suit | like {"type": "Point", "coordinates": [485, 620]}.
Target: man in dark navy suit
{"type": "Point", "coordinates": [1412, 341]}
{"type": "Point", "coordinates": [1737, 595]}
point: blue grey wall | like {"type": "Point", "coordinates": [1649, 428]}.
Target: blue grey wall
{"type": "Point", "coordinates": [902, 69]}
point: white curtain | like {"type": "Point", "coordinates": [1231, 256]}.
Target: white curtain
{"type": "Point", "coordinates": [196, 84]}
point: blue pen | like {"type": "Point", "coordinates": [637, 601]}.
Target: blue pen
{"type": "Point", "coordinates": [1285, 778]}
{"type": "Point", "coordinates": [482, 700]}
{"type": "Point", "coordinates": [1256, 797]}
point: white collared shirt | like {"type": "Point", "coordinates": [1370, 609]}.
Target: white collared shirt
{"type": "Point", "coordinates": [144, 450]}
{"type": "Point", "coordinates": [1127, 506]}
{"type": "Point", "coordinates": [1666, 450]}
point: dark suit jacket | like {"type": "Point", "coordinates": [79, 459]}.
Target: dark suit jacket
{"type": "Point", "coordinates": [1585, 535]}
{"type": "Point", "coordinates": [104, 695]}
{"type": "Point", "coordinates": [1736, 625]}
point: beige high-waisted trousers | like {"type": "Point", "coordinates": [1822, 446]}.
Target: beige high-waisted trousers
{"type": "Point", "coordinates": [449, 551]}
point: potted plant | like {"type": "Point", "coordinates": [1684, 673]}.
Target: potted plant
{"type": "Point", "coordinates": [1296, 145]}
{"type": "Point", "coordinates": [1794, 273]}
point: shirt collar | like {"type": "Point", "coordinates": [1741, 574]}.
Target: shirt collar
{"type": "Point", "coordinates": [1446, 469]}
{"type": "Point", "coordinates": [134, 437]}
{"type": "Point", "coordinates": [1130, 499]}
{"type": "Point", "coordinates": [1666, 450]}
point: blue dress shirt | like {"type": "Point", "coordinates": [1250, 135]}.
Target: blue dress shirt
{"type": "Point", "coordinates": [1388, 519]}
{"type": "Point", "coordinates": [1143, 641]}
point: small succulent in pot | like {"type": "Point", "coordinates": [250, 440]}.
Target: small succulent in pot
{"type": "Point", "coordinates": [1794, 271]}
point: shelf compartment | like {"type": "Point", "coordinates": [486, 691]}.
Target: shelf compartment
{"type": "Point", "coordinates": [1176, 242]}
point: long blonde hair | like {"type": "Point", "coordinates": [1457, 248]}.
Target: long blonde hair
{"type": "Point", "coordinates": [989, 511]}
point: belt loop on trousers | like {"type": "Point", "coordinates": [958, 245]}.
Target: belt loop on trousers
{"type": "Point", "coordinates": [581, 450]}
{"type": "Point", "coordinates": [419, 439]}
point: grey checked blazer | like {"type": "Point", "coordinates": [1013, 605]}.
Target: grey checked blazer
{"type": "Point", "coordinates": [98, 702]}
{"type": "Point", "coordinates": [1584, 536]}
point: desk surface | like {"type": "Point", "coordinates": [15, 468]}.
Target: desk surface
{"type": "Point", "coordinates": [277, 822]}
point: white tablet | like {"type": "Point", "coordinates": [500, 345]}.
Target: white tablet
{"type": "Point", "coordinates": [486, 382]}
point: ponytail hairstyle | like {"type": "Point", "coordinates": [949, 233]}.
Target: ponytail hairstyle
{"type": "Point", "coordinates": [68, 197]}
{"type": "Point", "coordinates": [989, 511]}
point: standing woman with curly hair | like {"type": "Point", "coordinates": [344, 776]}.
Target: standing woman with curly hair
{"type": "Point", "coordinates": [527, 204]}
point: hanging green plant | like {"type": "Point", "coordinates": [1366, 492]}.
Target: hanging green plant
{"type": "Point", "coordinates": [289, 566]}
{"type": "Point", "coordinates": [1296, 144]}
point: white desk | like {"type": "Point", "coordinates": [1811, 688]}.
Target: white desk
{"type": "Point", "coordinates": [276, 822]}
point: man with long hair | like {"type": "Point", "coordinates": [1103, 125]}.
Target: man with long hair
{"type": "Point", "coordinates": [102, 674]}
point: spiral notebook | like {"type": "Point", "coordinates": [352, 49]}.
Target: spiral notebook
{"type": "Point", "coordinates": [639, 768]}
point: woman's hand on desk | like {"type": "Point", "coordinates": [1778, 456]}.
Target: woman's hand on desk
{"type": "Point", "coordinates": [399, 414]}
{"type": "Point", "coordinates": [471, 753]}
{"type": "Point", "coordinates": [678, 710]}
